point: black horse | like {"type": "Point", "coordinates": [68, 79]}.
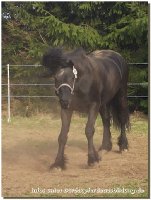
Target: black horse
{"type": "Point", "coordinates": [92, 83]}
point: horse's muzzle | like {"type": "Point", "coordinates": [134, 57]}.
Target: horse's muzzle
{"type": "Point", "coordinates": [64, 104]}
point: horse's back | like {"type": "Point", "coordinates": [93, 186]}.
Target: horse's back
{"type": "Point", "coordinates": [104, 54]}
{"type": "Point", "coordinates": [108, 59]}
{"type": "Point", "coordinates": [107, 55]}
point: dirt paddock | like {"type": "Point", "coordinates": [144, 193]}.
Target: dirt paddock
{"type": "Point", "coordinates": [29, 146]}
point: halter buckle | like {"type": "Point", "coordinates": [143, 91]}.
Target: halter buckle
{"type": "Point", "coordinates": [75, 72]}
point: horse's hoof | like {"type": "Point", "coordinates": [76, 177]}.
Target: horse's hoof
{"type": "Point", "coordinates": [94, 165]}
{"type": "Point", "coordinates": [103, 152]}
{"type": "Point", "coordinates": [106, 148]}
{"type": "Point", "coordinates": [55, 167]}
{"type": "Point", "coordinates": [124, 151]}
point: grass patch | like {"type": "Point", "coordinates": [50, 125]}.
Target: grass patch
{"type": "Point", "coordinates": [139, 125]}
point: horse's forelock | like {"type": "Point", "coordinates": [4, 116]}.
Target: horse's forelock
{"type": "Point", "coordinates": [52, 57]}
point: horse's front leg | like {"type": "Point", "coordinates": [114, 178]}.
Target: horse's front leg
{"type": "Point", "coordinates": [89, 131]}
{"type": "Point", "coordinates": [62, 139]}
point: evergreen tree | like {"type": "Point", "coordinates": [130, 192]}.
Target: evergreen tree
{"type": "Point", "coordinates": [28, 28]}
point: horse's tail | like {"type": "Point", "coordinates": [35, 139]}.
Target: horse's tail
{"type": "Point", "coordinates": [119, 111]}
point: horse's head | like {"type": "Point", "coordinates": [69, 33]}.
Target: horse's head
{"type": "Point", "coordinates": [65, 84]}
{"type": "Point", "coordinates": [62, 69]}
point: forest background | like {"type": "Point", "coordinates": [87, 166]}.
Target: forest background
{"type": "Point", "coordinates": [29, 28]}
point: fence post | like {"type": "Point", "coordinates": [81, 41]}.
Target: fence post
{"type": "Point", "coordinates": [8, 89]}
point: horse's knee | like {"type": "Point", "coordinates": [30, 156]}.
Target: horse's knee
{"type": "Point", "coordinates": [89, 131]}
{"type": "Point", "coordinates": [62, 139]}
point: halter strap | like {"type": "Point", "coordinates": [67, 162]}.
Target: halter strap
{"type": "Point", "coordinates": [62, 85]}
{"type": "Point", "coordinates": [66, 84]}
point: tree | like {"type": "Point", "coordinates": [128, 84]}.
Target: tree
{"type": "Point", "coordinates": [36, 25]}
{"type": "Point", "coordinates": [28, 28]}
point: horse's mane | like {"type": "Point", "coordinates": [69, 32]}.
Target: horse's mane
{"type": "Point", "coordinates": [77, 53]}
{"type": "Point", "coordinates": [54, 58]}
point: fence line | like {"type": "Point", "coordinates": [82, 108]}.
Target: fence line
{"type": "Point", "coordinates": [29, 84]}
{"type": "Point", "coordinates": [23, 96]}
{"type": "Point", "coordinates": [25, 65]}
{"type": "Point", "coordinates": [137, 63]}
{"type": "Point", "coordinates": [38, 65]}
{"type": "Point", "coordinates": [137, 83]}
{"type": "Point", "coordinates": [52, 84]}
{"type": "Point", "coordinates": [137, 96]}
{"type": "Point", "coordinates": [16, 96]}
{"type": "Point", "coordinates": [36, 84]}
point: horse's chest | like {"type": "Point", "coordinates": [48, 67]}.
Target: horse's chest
{"type": "Point", "coordinates": [80, 104]}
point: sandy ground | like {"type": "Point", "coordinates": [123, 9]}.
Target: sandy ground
{"type": "Point", "coordinates": [29, 147]}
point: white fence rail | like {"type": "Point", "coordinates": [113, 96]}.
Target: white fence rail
{"type": "Point", "coordinates": [9, 96]}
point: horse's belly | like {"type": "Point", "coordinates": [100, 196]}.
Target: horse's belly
{"type": "Point", "coordinates": [109, 93]}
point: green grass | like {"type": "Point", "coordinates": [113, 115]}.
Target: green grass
{"type": "Point", "coordinates": [139, 125]}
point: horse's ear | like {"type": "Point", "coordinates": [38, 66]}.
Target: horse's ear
{"type": "Point", "coordinates": [70, 63]}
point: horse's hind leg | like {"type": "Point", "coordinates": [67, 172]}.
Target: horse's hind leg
{"type": "Point", "coordinates": [106, 142]}
{"type": "Point", "coordinates": [89, 131]}
{"type": "Point", "coordinates": [124, 121]}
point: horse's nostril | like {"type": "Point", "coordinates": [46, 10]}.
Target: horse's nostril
{"type": "Point", "coordinates": [63, 102]}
